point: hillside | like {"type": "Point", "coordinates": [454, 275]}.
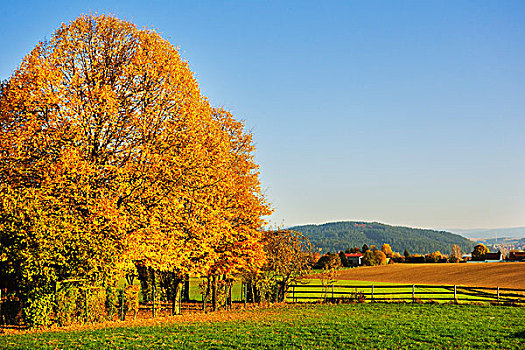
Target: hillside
{"type": "Point", "coordinates": [336, 236]}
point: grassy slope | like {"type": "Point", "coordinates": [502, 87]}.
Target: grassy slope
{"type": "Point", "coordinates": [508, 275]}
{"type": "Point", "coordinates": [363, 326]}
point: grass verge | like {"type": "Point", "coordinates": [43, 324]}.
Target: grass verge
{"type": "Point", "coordinates": [349, 326]}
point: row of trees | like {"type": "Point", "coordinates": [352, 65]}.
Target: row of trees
{"type": "Point", "coordinates": [372, 256]}
{"type": "Point", "coordinates": [112, 159]}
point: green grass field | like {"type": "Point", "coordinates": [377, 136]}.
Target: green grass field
{"type": "Point", "coordinates": [306, 292]}
{"type": "Point", "coordinates": [322, 326]}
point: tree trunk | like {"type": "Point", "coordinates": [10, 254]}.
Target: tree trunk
{"type": "Point", "coordinates": [256, 294]}
{"type": "Point", "coordinates": [230, 295]}
{"type": "Point", "coordinates": [206, 295]}
{"type": "Point", "coordinates": [154, 294]}
{"type": "Point", "coordinates": [186, 295]}
{"type": "Point", "coordinates": [177, 285]}
{"type": "Point", "coordinates": [249, 292]}
{"type": "Point", "coordinates": [281, 291]}
{"type": "Point", "coordinates": [214, 293]}
{"type": "Point", "coordinates": [172, 294]}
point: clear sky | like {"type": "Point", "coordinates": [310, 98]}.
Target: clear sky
{"type": "Point", "coordinates": [403, 112]}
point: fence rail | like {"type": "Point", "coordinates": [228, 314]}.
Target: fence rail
{"type": "Point", "coordinates": [408, 292]}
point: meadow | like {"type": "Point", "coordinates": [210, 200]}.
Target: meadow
{"type": "Point", "coordinates": [307, 326]}
{"type": "Point", "coordinates": [427, 276]}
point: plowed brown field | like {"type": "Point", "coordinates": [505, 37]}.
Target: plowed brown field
{"type": "Point", "coordinates": [505, 275]}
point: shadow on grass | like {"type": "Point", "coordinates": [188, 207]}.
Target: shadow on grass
{"type": "Point", "coordinates": [520, 335]}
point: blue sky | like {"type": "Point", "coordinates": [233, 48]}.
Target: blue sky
{"type": "Point", "coordinates": [403, 112]}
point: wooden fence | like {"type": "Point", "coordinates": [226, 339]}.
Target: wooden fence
{"type": "Point", "coordinates": [120, 308]}
{"type": "Point", "coordinates": [410, 293]}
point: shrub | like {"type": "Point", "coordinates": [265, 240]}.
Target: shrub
{"type": "Point", "coordinates": [112, 302]}
{"type": "Point", "coordinates": [131, 295]}
{"type": "Point", "coordinates": [95, 304]}
{"type": "Point", "coordinates": [358, 297]}
{"type": "Point", "coordinates": [344, 260]}
{"type": "Point", "coordinates": [328, 261]}
{"type": "Point", "coordinates": [38, 309]}
{"type": "Point", "coordinates": [67, 309]}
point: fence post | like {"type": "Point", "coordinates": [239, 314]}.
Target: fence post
{"type": "Point", "coordinates": [498, 293]}
{"type": "Point", "coordinates": [332, 292]}
{"type": "Point", "coordinates": [372, 293]}
{"type": "Point", "coordinates": [293, 293]}
{"type": "Point", "coordinates": [413, 293]}
{"type": "Point", "coordinates": [455, 294]}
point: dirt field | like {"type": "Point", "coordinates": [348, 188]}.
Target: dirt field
{"type": "Point", "coordinates": [506, 275]}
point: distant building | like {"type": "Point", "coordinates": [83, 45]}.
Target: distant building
{"type": "Point", "coordinates": [354, 259]}
{"type": "Point", "coordinates": [516, 256]}
{"type": "Point", "coordinates": [489, 258]}
{"type": "Point", "coordinates": [493, 257]}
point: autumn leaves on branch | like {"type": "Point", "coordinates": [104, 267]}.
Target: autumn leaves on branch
{"type": "Point", "coordinates": [109, 154]}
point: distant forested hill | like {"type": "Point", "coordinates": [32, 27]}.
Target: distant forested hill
{"type": "Point", "coordinates": [336, 236]}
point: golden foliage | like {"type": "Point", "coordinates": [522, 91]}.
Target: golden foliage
{"type": "Point", "coordinates": [109, 154]}
{"type": "Point", "coordinates": [385, 248]}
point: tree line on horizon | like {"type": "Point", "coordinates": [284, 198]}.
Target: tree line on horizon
{"type": "Point", "coordinates": [373, 256]}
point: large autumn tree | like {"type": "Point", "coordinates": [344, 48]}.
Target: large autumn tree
{"type": "Point", "coordinates": [109, 154]}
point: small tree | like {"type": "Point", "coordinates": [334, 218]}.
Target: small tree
{"type": "Point", "coordinates": [385, 248]}
{"type": "Point", "coordinates": [380, 257]}
{"type": "Point", "coordinates": [314, 258]}
{"type": "Point", "coordinates": [369, 258]}
{"type": "Point", "coordinates": [433, 257]}
{"type": "Point", "coordinates": [397, 258]}
{"type": "Point", "coordinates": [288, 259]}
{"type": "Point", "coordinates": [330, 269]}
{"type": "Point", "coordinates": [455, 254]}
{"type": "Point", "coordinates": [479, 251]}
{"type": "Point", "coordinates": [344, 260]}
{"type": "Point", "coordinates": [374, 258]}
{"type": "Point", "coordinates": [327, 260]}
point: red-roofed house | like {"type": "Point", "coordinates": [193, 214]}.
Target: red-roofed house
{"type": "Point", "coordinates": [354, 258]}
